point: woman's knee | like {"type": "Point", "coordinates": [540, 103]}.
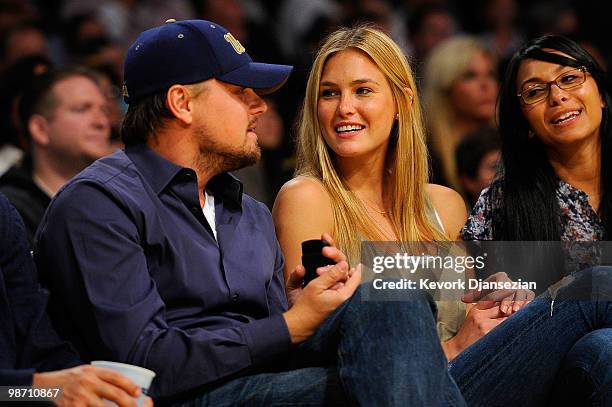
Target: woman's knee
{"type": "Point", "coordinates": [594, 346]}
{"type": "Point", "coordinates": [594, 283]}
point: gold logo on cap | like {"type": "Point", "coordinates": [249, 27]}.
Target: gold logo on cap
{"type": "Point", "coordinates": [235, 43]}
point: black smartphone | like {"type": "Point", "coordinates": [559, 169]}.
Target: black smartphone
{"type": "Point", "coordinates": [312, 258]}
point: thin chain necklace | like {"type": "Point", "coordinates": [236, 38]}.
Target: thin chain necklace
{"type": "Point", "coordinates": [373, 206]}
{"type": "Point", "coordinates": [381, 230]}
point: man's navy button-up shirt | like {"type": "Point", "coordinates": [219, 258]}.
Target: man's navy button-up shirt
{"type": "Point", "coordinates": [136, 274]}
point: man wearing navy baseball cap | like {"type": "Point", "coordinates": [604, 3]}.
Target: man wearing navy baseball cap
{"type": "Point", "coordinates": [155, 257]}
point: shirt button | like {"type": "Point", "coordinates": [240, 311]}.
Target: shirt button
{"type": "Point", "coordinates": [195, 209]}
{"type": "Point", "coordinates": [235, 297]}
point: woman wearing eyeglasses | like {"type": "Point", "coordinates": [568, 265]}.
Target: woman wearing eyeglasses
{"type": "Point", "coordinates": [554, 122]}
{"type": "Point", "coordinates": [556, 183]}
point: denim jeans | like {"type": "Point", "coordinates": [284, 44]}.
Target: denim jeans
{"type": "Point", "coordinates": [586, 374]}
{"type": "Point", "coordinates": [369, 353]}
{"type": "Point", "coordinates": [520, 361]}
{"type": "Point", "coordinates": [387, 353]}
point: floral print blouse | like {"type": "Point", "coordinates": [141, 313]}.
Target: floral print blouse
{"type": "Point", "coordinates": [579, 221]}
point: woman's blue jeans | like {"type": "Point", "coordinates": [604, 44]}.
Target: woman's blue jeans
{"type": "Point", "coordinates": [586, 375]}
{"type": "Point", "coordinates": [526, 360]}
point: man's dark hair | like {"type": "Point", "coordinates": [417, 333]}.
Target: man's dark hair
{"type": "Point", "coordinates": [144, 117]}
{"type": "Point", "coordinates": [38, 98]}
{"type": "Point", "coordinates": [473, 148]}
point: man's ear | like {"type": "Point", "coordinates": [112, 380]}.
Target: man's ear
{"type": "Point", "coordinates": [178, 99]}
{"type": "Point", "coordinates": [38, 127]}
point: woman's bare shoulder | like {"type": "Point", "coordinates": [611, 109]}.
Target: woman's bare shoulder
{"type": "Point", "coordinates": [305, 196]}
{"type": "Point", "coordinates": [450, 206]}
{"type": "Point", "coordinates": [303, 185]}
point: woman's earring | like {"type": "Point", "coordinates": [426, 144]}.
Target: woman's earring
{"type": "Point", "coordinates": [530, 134]}
{"type": "Point", "coordinates": [396, 116]}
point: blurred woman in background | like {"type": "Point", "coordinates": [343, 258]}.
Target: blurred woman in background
{"type": "Point", "coordinates": [459, 92]}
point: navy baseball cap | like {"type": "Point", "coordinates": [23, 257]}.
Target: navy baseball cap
{"type": "Point", "coordinates": [190, 51]}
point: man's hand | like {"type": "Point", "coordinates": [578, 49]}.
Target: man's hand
{"type": "Point", "coordinates": [88, 385]}
{"type": "Point", "coordinates": [294, 284]}
{"type": "Point", "coordinates": [480, 320]}
{"type": "Point", "coordinates": [510, 300]}
{"type": "Point", "coordinates": [312, 304]}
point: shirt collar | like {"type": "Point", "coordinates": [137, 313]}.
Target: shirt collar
{"type": "Point", "coordinates": [156, 170]}
{"type": "Point", "coordinates": [228, 187]}
{"type": "Point", "coordinates": [159, 172]}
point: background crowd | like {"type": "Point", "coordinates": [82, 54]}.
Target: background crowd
{"type": "Point", "coordinates": [457, 49]}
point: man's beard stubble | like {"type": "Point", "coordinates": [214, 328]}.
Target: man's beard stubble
{"type": "Point", "coordinates": [219, 158]}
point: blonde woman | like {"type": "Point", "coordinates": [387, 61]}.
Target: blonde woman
{"type": "Point", "coordinates": [362, 175]}
{"type": "Point", "coordinates": [460, 89]}
{"type": "Point", "coordinates": [361, 147]}
{"type": "Point", "coordinates": [362, 167]}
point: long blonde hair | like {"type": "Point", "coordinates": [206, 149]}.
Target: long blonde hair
{"type": "Point", "coordinates": [446, 64]}
{"type": "Point", "coordinates": [406, 161]}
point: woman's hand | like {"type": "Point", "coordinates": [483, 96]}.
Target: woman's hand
{"type": "Point", "coordinates": [511, 300]}
{"type": "Point", "coordinates": [480, 320]}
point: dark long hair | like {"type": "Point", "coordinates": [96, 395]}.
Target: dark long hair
{"type": "Point", "coordinates": [529, 209]}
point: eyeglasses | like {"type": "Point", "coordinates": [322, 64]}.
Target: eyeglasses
{"type": "Point", "coordinates": [567, 80]}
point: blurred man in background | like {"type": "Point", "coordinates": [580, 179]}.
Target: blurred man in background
{"type": "Point", "coordinates": [64, 115]}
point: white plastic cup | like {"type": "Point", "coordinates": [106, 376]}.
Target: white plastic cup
{"type": "Point", "coordinates": [139, 375]}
